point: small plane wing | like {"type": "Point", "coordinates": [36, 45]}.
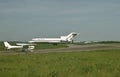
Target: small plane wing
{"type": "Point", "coordinates": [24, 44]}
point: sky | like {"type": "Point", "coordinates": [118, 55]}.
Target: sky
{"type": "Point", "coordinates": [94, 20]}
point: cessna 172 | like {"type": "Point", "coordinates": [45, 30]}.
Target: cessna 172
{"type": "Point", "coordinates": [24, 47]}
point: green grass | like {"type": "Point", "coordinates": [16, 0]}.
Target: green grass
{"type": "Point", "coordinates": [2, 46]}
{"type": "Point", "coordinates": [50, 46]}
{"type": "Point", "coordinates": [101, 63]}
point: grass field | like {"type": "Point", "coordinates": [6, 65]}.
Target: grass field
{"type": "Point", "coordinates": [50, 46]}
{"type": "Point", "coordinates": [100, 63]}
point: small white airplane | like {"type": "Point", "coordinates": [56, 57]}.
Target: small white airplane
{"type": "Point", "coordinates": [24, 47]}
{"type": "Point", "coordinates": [68, 38]}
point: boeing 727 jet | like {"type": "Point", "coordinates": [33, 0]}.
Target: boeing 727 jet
{"type": "Point", "coordinates": [68, 38]}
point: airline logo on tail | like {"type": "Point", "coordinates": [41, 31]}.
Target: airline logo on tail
{"type": "Point", "coordinates": [71, 36]}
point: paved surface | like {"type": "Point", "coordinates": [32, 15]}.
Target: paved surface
{"type": "Point", "coordinates": [72, 48]}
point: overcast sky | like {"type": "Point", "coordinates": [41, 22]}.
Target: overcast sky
{"type": "Point", "coordinates": [95, 20]}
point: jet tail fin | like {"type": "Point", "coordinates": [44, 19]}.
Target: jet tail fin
{"type": "Point", "coordinates": [71, 36]}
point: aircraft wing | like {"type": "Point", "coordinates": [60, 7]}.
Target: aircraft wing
{"type": "Point", "coordinates": [24, 44]}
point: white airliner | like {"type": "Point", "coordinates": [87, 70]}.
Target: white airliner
{"type": "Point", "coordinates": [24, 47]}
{"type": "Point", "coordinates": [68, 38]}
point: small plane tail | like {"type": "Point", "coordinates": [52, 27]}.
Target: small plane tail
{"type": "Point", "coordinates": [7, 45]}
{"type": "Point", "coordinates": [71, 36]}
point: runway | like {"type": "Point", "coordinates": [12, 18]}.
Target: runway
{"type": "Point", "coordinates": [74, 48]}
{"type": "Point", "coordinates": [71, 48]}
